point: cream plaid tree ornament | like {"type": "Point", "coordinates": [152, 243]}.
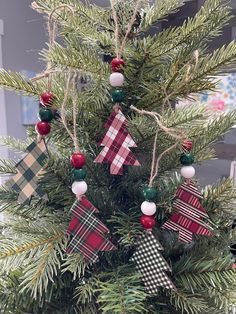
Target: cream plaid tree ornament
{"type": "Point", "coordinates": [25, 182]}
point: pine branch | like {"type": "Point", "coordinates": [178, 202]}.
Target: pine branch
{"type": "Point", "coordinates": [15, 144]}
{"type": "Point", "coordinates": [206, 273]}
{"type": "Point", "coordinates": [81, 57]}
{"type": "Point", "coordinates": [207, 23]}
{"type": "Point", "coordinates": [16, 82]}
{"type": "Point", "coordinates": [212, 64]}
{"type": "Point", "coordinates": [84, 292]}
{"type": "Point", "coordinates": [37, 275]}
{"type": "Point", "coordinates": [120, 293]}
{"type": "Point", "coordinates": [90, 23]}
{"type": "Point", "coordinates": [39, 253]}
{"type": "Point", "coordinates": [7, 166]}
{"type": "Point", "coordinates": [173, 48]}
{"type": "Point", "coordinates": [209, 133]}
{"type": "Point", "coordinates": [220, 197]}
{"type": "Point", "coordinates": [194, 117]}
{"type": "Point", "coordinates": [186, 303]}
{"type": "Point", "coordinates": [126, 226]}
{"type": "Point", "coordinates": [158, 11]}
{"type": "Point", "coordinates": [222, 298]}
{"type": "Point", "coordinates": [74, 264]}
{"type": "Point", "coordinates": [91, 15]}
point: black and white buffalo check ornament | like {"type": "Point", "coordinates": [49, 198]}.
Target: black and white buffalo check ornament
{"type": "Point", "coordinates": [25, 181]}
{"type": "Point", "coordinates": [151, 264]}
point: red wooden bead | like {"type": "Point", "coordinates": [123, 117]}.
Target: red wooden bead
{"type": "Point", "coordinates": [148, 222]}
{"type": "Point", "coordinates": [43, 128]}
{"type": "Point", "coordinates": [46, 98]}
{"type": "Point", "coordinates": [187, 145]}
{"type": "Point", "coordinates": [117, 64]}
{"type": "Point", "coordinates": [77, 160]}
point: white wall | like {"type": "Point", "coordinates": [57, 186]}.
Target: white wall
{"type": "Point", "coordinates": [3, 117]}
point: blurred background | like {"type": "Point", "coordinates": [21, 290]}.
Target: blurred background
{"type": "Point", "coordinates": [23, 35]}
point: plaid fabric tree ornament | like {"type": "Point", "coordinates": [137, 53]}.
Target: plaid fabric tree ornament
{"type": "Point", "coordinates": [151, 264]}
{"type": "Point", "coordinates": [117, 142]}
{"type": "Point", "coordinates": [188, 218]}
{"type": "Point", "coordinates": [25, 182]}
{"type": "Point", "coordinates": [86, 232]}
{"type": "Point", "coordinates": [147, 257]}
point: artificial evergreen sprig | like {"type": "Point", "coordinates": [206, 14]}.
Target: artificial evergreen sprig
{"type": "Point", "coordinates": [33, 242]}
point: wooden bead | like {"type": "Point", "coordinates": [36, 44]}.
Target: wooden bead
{"type": "Point", "coordinates": [148, 222]}
{"type": "Point", "coordinates": [43, 128]}
{"type": "Point", "coordinates": [45, 114]}
{"type": "Point", "coordinates": [186, 159]}
{"type": "Point", "coordinates": [117, 64]}
{"type": "Point", "coordinates": [117, 95]}
{"type": "Point", "coordinates": [150, 193]}
{"type": "Point", "coordinates": [47, 98]}
{"type": "Point", "coordinates": [77, 160]}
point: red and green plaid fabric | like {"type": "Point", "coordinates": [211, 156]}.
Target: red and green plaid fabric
{"type": "Point", "coordinates": [86, 232]}
{"type": "Point", "coordinates": [117, 142]}
{"type": "Point", "coordinates": [25, 182]}
{"type": "Point", "coordinates": [188, 220]}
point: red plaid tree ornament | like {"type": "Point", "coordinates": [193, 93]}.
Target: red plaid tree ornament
{"type": "Point", "coordinates": [188, 218]}
{"type": "Point", "coordinates": [116, 143]}
{"type": "Point", "coordinates": [86, 232]}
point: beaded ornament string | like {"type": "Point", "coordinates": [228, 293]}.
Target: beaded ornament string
{"type": "Point", "coordinates": [117, 64]}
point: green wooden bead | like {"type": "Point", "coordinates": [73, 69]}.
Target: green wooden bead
{"type": "Point", "coordinates": [150, 193]}
{"type": "Point", "coordinates": [79, 174]}
{"type": "Point", "coordinates": [45, 114]}
{"type": "Point", "coordinates": [186, 159]}
{"type": "Point", "coordinates": [117, 95]}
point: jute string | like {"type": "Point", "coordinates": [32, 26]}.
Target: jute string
{"type": "Point", "coordinates": [71, 80]}
{"type": "Point", "coordinates": [70, 86]}
{"type": "Point", "coordinates": [47, 73]}
{"type": "Point", "coordinates": [119, 50]}
{"type": "Point", "coordinates": [177, 134]}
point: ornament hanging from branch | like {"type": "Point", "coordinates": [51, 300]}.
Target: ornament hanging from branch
{"type": "Point", "coordinates": [187, 220]}
{"type": "Point", "coordinates": [31, 166]}
{"type": "Point", "coordinates": [149, 261]}
{"type": "Point", "coordinates": [29, 169]}
{"type": "Point", "coordinates": [86, 233]}
{"type": "Point", "coordinates": [117, 141]}
{"type": "Point", "coordinates": [151, 264]}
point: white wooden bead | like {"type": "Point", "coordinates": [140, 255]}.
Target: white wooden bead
{"type": "Point", "coordinates": [117, 79]}
{"type": "Point", "coordinates": [187, 172]}
{"type": "Point", "coordinates": [148, 208]}
{"type": "Point", "coordinates": [79, 188]}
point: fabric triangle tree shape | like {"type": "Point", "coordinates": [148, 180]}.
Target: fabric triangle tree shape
{"type": "Point", "coordinates": [151, 264]}
{"type": "Point", "coordinates": [25, 181]}
{"type": "Point", "coordinates": [116, 143]}
{"type": "Point", "coordinates": [86, 232]}
{"type": "Point", "coordinates": [188, 218]}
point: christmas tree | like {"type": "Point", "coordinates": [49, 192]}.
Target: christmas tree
{"type": "Point", "coordinates": [37, 274]}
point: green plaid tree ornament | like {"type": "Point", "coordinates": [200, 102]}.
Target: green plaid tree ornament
{"type": "Point", "coordinates": [25, 181]}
